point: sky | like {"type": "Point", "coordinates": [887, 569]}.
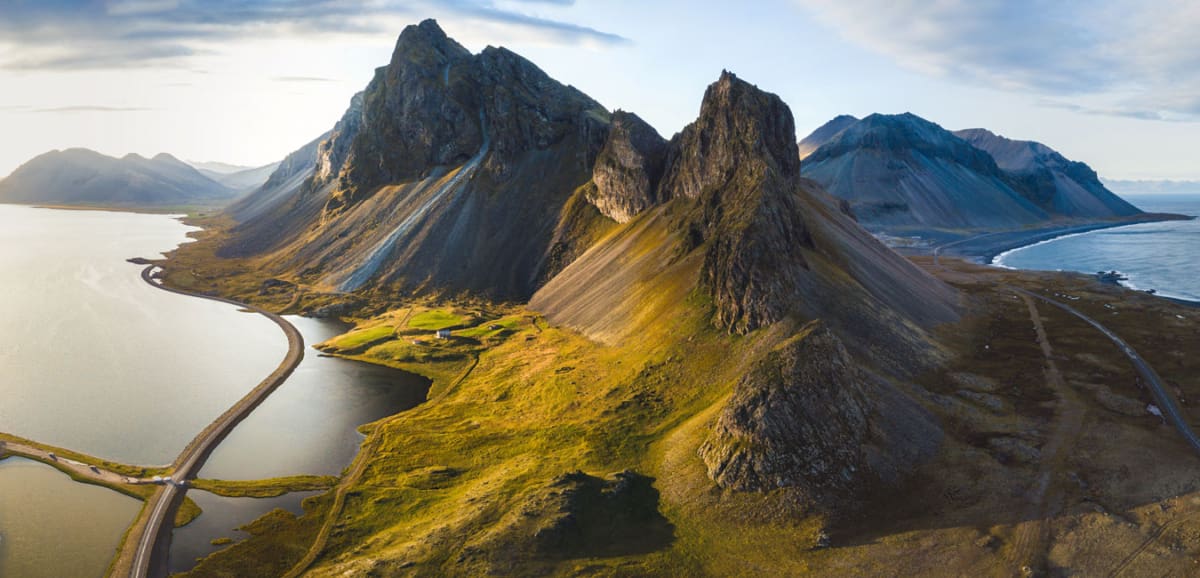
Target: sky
{"type": "Point", "coordinates": [1113, 83]}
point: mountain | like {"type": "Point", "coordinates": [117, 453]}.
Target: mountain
{"type": "Point", "coordinates": [289, 175]}
{"type": "Point", "coordinates": [452, 171]}
{"type": "Point", "coordinates": [241, 179]}
{"type": "Point", "coordinates": [902, 172]}
{"type": "Point", "coordinates": [765, 244]}
{"type": "Point", "coordinates": [635, 283]}
{"type": "Point", "coordinates": [88, 178]}
{"type": "Point", "coordinates": [824, 134]}
{"type": "Point", "coordinates": [218, 168]}
{"type": "Point", "coordinates": [1060, 186]}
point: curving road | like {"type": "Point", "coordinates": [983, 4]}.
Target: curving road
{"type": "Point", "coordinates": [144, 538]}
{"type": "Point", "coordinates": [1166, 402]}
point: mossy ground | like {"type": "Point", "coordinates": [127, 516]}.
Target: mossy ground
{"type": "Point", "coordinates": [267, 488]}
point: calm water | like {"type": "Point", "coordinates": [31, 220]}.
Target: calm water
{"type": "Point", "coordinates": [52, 527]}
{"type": "Point", "coordinates": [1160, 256]}
{"type": "Point", "coordinates": [94, 359]}
{"type": "Point", "coordinates": [309, 425]}
{"type": "Point", "coordinates": [221, 518]}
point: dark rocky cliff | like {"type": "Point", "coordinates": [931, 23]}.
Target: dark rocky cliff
{"type": "Point", "coordinates": [738, 162]}
{"type": "Point", "coordinates": [451, 172]}
{"type": "Point", "coordinates": [628, 168]}
{"type": "Point", "coordinates": [808, 421]}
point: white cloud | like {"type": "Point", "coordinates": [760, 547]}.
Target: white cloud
{"type": "Point", "coordinates": [1138, 59]}
{"type": "Point", "coordinates": [84, 34]}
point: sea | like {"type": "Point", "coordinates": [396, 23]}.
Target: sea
{"type": "Point", "coordinates": [1161, 256]}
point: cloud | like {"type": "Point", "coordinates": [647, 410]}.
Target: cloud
{"type": "Point", "coordinates": [89, 108]}
{"type": "Point", "coordinates": [92, 34]}
{"type": "Point", "coordinates": [1141, 58]}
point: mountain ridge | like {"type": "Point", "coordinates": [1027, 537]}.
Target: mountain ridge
{"type": "Point", "coordinates": [84, 177]}
{"type": "Point", "coordinates": [902, 172]}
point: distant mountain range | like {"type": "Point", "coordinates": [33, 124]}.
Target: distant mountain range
{"type": "Point", "coordinates": [83, 177]}
{"type": "Point", "coordinates": [902, 172]}
{"type": "Point", "coordinates": [239, 178]}
{"type": "Point", "coordinates": [1150, 187]}
{"type": "Point", "coordinates": [87, 178]}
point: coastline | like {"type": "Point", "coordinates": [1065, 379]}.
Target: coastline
{"type": "Point", "coordinates": [177, 211]}
{"type": "Point", "coordinates": [984, 248]}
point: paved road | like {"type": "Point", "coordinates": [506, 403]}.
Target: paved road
{"type": "Point", "coordinates": [1158, 389]}
{"type": "Point", "coordinates": [189, 462]}
{"type": "Point", "coordinates": [80, 469]}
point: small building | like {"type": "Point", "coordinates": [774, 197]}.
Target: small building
{"type": "Point", "coordinates": [443, 334]}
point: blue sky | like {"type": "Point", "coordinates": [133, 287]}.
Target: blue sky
{"type": "Point", "coordinates": [1114, 83]}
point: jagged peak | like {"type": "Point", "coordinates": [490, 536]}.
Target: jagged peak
{"type": "Point", "coordinates": [427, 43]}
{"type": "Point", "coordinates": [738, 123]}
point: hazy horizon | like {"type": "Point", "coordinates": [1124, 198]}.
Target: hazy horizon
{"type": "Point", "coordinates": [1110, 84]}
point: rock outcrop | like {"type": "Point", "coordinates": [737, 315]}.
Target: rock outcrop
{"type": "Point", "coordinates": [763, 243]}
{"type": "Point", "coordinates": [628, 168]}
{"type": "Point", "coordinates": [739, 125]}
{"type": "Point", "coordinates": [588, 515]}
{"type": "Point", "coordinates": [806, 420]}
{"type": "Point", "coordinates": [738, 162]}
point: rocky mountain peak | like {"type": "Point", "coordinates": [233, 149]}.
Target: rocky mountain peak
{"type": "Point", "coordinates": [739, 161]}
{"type": "Point", "coordinates": [628, 168]}
{"type": "Point", "coordinates": [737, 123]}
{"type": "Point", "coordinates": [437, 105]}
{"type": "Point", "coordinates": [426, 44]}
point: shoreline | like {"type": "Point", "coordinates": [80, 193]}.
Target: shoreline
{"type": "Point", "coordinates": [986, 247]}
{"type": "Point", "coordinates": [177, 211]}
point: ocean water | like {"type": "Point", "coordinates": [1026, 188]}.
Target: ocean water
{"type": "Point", "coordinates": [1159, 256]}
